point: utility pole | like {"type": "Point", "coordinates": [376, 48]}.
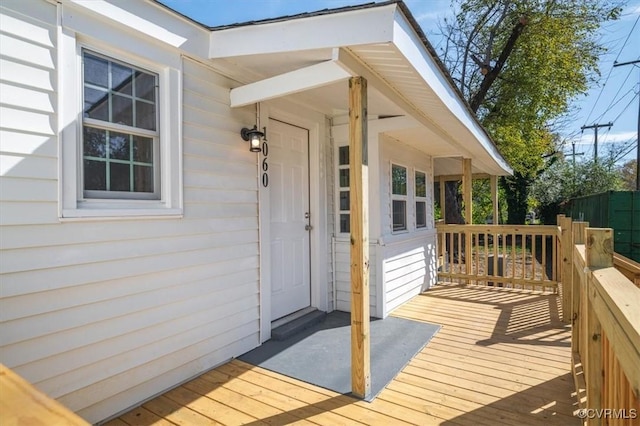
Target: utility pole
{"type": "Point", "coordinates": [574, 153]}
{"type": "Point", "coordinates": [595, 127]}
{"type": "Point", "coordinates": [573, 157]}
{"type": "Point", "coordinates": [638, 134]}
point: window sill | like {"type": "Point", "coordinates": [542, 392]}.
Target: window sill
{"type": "Point", "coordinates": [400, 232]}
{"type": "Point", "coordinates": [98, 213]}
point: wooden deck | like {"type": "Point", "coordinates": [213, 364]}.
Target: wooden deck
{"type": "Point", "coordinates": [501, 357]}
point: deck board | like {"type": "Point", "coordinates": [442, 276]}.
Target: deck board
{"type": "Point", "coordinates": [501, 357]}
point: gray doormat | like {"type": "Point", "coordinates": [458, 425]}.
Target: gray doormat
{"type": "Point", "coordinates": [321, 354]}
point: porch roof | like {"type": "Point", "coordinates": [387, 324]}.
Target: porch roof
{"type": "Point", "coordinates": [309, 58]}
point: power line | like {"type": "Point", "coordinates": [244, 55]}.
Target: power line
{"type": "Point", "coordinates": [611, 104]}
{"type": "Point", "coordinates": [609, 74]}
{"type": "Point", "coordinates": [625, 108]}
{"type": "Point", "coordinates": [606, 135]}
{"type": "Point", "coordinates": [627, 39]}
{"type": "Point", "coordinates": [622, 155]}
{"type": "Point", "coordinates": [633, 64]}
{"type": "Point", "coordinates": [599, 94]}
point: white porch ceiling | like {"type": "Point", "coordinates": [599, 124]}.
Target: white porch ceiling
{"type": "Point", "coordinates": [404, 79]}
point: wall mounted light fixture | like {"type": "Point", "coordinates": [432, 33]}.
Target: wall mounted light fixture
{"type": "Point", "coordinates": [254, 136]}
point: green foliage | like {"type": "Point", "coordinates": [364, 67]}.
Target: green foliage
{"type": "Point", "coordinates": [628, 175]}
{"type": "Point", "coordinates": [554, 60]}
{"type": "Point", "coordinates": [561, 182]}
{"type": "Point", "coordinates": [437, 212]}
{"type": "Point", "coordinates": [482, 206]}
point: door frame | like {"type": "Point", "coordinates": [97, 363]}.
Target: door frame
{"type": "Point", "coordinates": [315, 123]}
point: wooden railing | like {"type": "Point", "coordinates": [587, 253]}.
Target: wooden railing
{"type": "Point", "coordinates": [600, 294]}
{"type": "Point", "coordinates": [499, 255]}
{"type": "Point", "coordinates": [628, 267]}
{"type": "Point", "coordinates": [23, 404]}
{"type": "Point", "coordinates": [604, 308]}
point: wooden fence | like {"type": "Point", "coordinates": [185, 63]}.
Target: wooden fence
{"type": "Point", "coordinates": [500, 255]}
{"type": "Point", "coordinates": [603, 306]}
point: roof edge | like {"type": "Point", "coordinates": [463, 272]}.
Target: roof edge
{"type": "Point", "coordinates": [407, 14]}
{"type": "Point", "coordinates": [436, 58]}
{"type": "Point", "coordinates": [305, 15]}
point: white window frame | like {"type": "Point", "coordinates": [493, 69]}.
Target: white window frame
{"type": "Point", "coordinates": [339, 189]}
{"type": "Point", "coordinates": [399, 197]}
{"type": "Point", "coordinates": [419, 199]}
{"type": "Point", "coordinates": [73, 204]}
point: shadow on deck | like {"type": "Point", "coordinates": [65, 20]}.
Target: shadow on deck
{"type": "Point", "coordinates": [501, 357]}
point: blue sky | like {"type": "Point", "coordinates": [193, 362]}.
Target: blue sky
{"type": "Point", "coordinates": [616, 101]}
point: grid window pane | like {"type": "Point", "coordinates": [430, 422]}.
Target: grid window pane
{"type": "Point", "coordinates": [142, 149]}
{"type": "Point", "coordinates": [96, 70]}
{"type": "Point", "coordinates": [343, 155]}
{"type": "Point", "coordinates": [345, 223]}
{"type": "Point", "coordinates": [421, 185]}
{"type": "Point", "coordinates": [344, 178]}
{"type": "Point", "coordinates": [143, 178]}
{"type": "Point", "coordinates": [421, 214]}
{"type": "Point", "coordinates": [95, 142]}
{"type": "Point", "coordinates": [96, 104]}
{"type": "Point", "coordinates": [145, 86]}
{"type": "Point", "coordinates": [119, 146]}
{"type": "Point", "coordinates": [344, 200]}
{"type": "Point", "coordinates": [399, 215]}
{"type": "Point", "coordinates": [398, 180]}
{"type": "Point", "coordinates": [119, 174]}
{"type": "Point", "coordinates": [145, 115]}
{"type": "Point", "coordinates": [121, 78]}
{"type": "Point", "coordinates": [95, 175]}
{"type": "Point", "coordinates": [122, 112]}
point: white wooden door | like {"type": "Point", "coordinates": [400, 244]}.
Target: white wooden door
{"type": "Point", "coordinates": [288, 161]}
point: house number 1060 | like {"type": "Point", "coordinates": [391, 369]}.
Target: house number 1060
{"type": "Point", "coordinates": [265, 165]}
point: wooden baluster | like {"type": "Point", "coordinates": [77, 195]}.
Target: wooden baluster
{"type": "Point", "coordinates": [514, 260]}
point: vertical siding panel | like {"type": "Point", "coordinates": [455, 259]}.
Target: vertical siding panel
{"type": "Point", "coordinates": [329, 166]}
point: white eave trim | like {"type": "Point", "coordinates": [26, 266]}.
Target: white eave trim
{"type": "Point", "coordinates": [143, 18]}
{"type": "Point", "coordinates": [313, 76]}
{"type": "Point", "coordinates": [351, 28]}
{"type": "Point", "coordinates": [411, 47]}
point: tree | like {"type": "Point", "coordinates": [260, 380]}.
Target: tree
{"type": "Point", "coordinates": [482, 203]}
{"type": "Point", "coordinates": [628, 175]}
{"type": "Point", "coordinates": [519, 63]}
{"type": "Point", "coordinates": [561, 181]}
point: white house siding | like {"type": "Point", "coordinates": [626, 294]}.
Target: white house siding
{"type": "Point", "coordinates": [28, 145]}
{"type": "Point", "coordinates": [342, 245]}
{"type": "Point", "coordinates": [103, 314]}
{"type": "Point", "coordinates": [343, 277]}
{"type": "Point", "coordinates": [408, 257]}
{"type": "Point", "coordinates": [409, 269]}
{"type": "Point", "coordinates": [329, 168]}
